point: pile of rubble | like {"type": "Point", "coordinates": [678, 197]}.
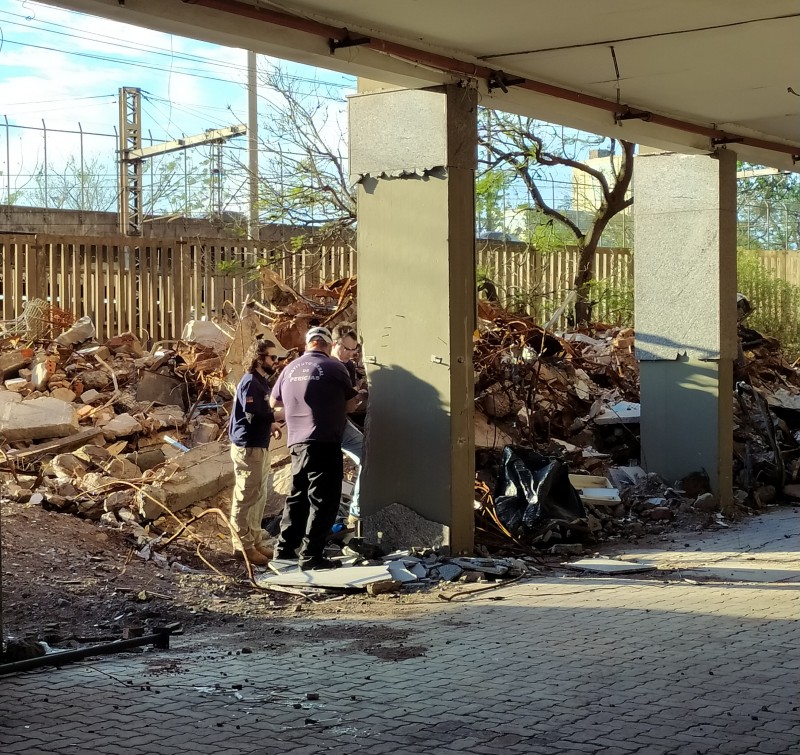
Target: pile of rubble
{"type": "Point", "coordinates": [121, 433]}
{"type": "Point", "coordinates": [574, 399]}
{"type": "Point", "coordinates": [125, 431]}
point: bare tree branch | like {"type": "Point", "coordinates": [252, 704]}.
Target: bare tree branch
{"type": "Point", "coordinates": [520, 145]}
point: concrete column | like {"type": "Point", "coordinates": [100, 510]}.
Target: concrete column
{"type": "Point", "coordinates": [413, 155]}
{"type": "Point", "coordinates": [685, 313]}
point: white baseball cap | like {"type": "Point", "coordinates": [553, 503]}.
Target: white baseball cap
{"type": "Point", "coordinates": [323, 334]}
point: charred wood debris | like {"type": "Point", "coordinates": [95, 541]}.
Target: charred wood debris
{"type": "Point", "coordinates": [128, 432]}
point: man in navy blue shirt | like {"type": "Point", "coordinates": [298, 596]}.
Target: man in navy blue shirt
{"type": "Point", "coordinates": [251, 425]}
{"type": "Point", "coordinates": [316, 393]}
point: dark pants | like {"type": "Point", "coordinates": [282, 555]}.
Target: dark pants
{"type": "Point", "coordinates": [310, 510]}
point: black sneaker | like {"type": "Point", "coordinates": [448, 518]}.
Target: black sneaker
{"type": "Point", "coordinates": [319, 563]}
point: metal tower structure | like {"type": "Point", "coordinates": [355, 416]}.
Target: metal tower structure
{"type": "Point", "coordinates": [132, 156]}
{"type": "Point", "coordinates": [130, 168]}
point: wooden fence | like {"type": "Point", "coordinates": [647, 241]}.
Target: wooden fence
{"type": "Point", "coordinates": [149, 286]}
{"type": "Point", "coordinates": [539, 282]}
{"type": "Point", "coordinates": [782, 264]}
{"type": "Point", "coordinates": [152, 287]}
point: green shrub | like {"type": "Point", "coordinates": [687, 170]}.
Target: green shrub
{"type": "Point", "coordinates": [776, 302]}
{"type": "Point", "coordinates": [613, 302]}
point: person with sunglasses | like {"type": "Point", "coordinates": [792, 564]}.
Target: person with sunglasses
{"type": "Point", "coordinates": [345, 347]}
{"type": "Point", "coordinates": [251, 426]}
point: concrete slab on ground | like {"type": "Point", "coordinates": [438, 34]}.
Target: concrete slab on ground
{"type": "Point", "coordinates": [609, 566]}
{"type": "Point", "coordinates": [344, 578]}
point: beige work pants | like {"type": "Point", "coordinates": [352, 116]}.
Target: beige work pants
{"type": "Point", "coordinates": [251, 469]}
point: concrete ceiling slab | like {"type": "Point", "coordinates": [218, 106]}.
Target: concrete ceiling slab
{"type": "Point", "coordinates": [703, 69]}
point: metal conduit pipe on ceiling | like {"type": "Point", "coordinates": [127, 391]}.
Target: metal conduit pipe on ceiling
{"type": "Point", "coordinates": [453, 65]}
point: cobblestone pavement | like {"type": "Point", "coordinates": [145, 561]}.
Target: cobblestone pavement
{"type": "Point", "coordinates": [571, 665]}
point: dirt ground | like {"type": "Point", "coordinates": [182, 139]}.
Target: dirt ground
{"type": "Point", "coordinates": [69, 580]}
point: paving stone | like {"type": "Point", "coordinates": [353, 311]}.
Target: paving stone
{"type": "Point", "coordinates": [554, 668]}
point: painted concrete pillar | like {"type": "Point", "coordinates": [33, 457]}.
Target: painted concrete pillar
{"type": "Point", "coordinates": [413, 155]}
{"type": "Point", "coordinates": [685, 313]}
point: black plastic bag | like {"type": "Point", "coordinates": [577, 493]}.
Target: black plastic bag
{"type": "Point", "coordinates": [533, 493]}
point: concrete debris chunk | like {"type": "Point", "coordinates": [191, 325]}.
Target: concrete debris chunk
{"type": "Point", "coordinates": [783, 399]}
{"type": "Point", "coordinates": [42, 372]}
{"type": "Point", "coordinates": [623, 412]}
{"type": "Point", "coordinates": [121, 426]}
{"type": "Point", "coordinates": [93, 454]}
{"type": "Point", "coordinates": [384, 587]}
{"type": "Point", "coordinates": [208, 334]}
{"type": "Point", "coordinates": [121, 469]}
{"type": "Point", "coordinates": [448, 572]}
{"type": "Point", "coordinates": [488, 435]}
{"type": "Point", "coordinates": [167, 390]}
{"type": "Point", "coordinates": [400, 573]}
{"type": "Point", "coordinates": [90, 396]}
{"type": "Point", "coordinates": [625, 476]}
{"type": "Point", "coordinates": [792, 490]}
{"type": "Point", "coordinates": [484, 565]}
{"type": "Point", "coordinates": [118, 499]}
{"type": "Point", "coordinates": [567, 549]}
{"type": "Point", "coordinates": [68, 466]}
{"type": "Point", "coordinates": [397, 526]}
{"type": "Point", "coordinates": [36, 419]}
{"type": "Point", "coordinates": [82, 330]}
{"type": "Point", "coordinates": [63, 394]}
{"type": "Point", "coordinates": [96, 352]}
{"type": "Point", "coordinates": [148, 459]}
{"type": "Point", "coordinates": [166, 416]}
{"type": "Point", "coordinates": [97, 379]}
{"type": "Point", "coordinates": [707, 502]}
{"type": "Point", "coordinates": [344, 578]}
{"type": "Point", "coordinates": [92, 482]}
{"type": "Point", "coordinates": [205, 432]}
{"type": "Point", "coordinates": [418, 570]}
{"type": "Point", "coordinates": [13, 361]}
{"type": "Point", "coordinates": [125, 343]}
{"type": "Point", "coordinates": [198, 474]}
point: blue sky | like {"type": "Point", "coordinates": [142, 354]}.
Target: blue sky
{"type": "Point", "coordinates": [63, 70]}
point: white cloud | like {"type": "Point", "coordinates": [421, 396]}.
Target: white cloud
{"type": "Point", "coordinates": [65, 68]}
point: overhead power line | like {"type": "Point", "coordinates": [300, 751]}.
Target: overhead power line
{"type": "Point", "coordinates": [155, 50]}
{"type": "Point", "coordinates": [119, 61]}
{"type": "Point", "coordinates": [64, 99]}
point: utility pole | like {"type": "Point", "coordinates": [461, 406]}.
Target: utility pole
{"type": "Point", "coordinates": [130, 170]}
{"type": "Point", "coordinates": [216, 181]}
{"type": "Point", "coordinates": [132, 155]}
{"type": "Point", "coordinates": [253, 229]}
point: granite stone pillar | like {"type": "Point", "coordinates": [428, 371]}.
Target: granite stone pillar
{"type": "Point", "coordinates": [685, 313]}
{"type": "Point", "coordinates": [413, 155]}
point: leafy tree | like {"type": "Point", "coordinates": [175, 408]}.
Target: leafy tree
{"type": "Point", "coordinates": [532, 149]}
{"type": "Point", "coordinates": [769, 209]}
{"type": "Point", "coordinates": [490, 187]}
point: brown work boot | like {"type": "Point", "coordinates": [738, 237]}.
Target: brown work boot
{"type": "Point", "coordinates": [254, 556]}
{"type": "Point", "coordinates": [266, 549]}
